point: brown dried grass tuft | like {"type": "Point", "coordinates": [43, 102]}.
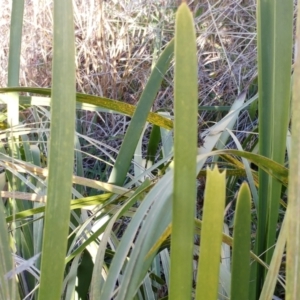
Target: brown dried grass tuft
{"type": "Point", "coordinates": [118, 41]}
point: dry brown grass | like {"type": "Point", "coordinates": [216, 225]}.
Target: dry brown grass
{"type": "Point", "coordinates": [117, 42]}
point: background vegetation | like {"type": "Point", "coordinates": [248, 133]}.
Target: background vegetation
{"type": "Point", "coordinates": [133, 180]}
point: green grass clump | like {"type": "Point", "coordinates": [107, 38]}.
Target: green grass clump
{"type": "Point", "coordinates": [139, 170]}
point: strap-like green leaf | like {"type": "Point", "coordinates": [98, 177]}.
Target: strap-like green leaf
{"type": "Point", "coordinates": [113, 105]}
{"type": "Point", "coordinates": [185, 151]}
{"type": "Point", "coordinates": [240, 273]}
{"type": "Point", "coordinates": [211, 236]}
{"type": "Point", "coordinates": [61, 157]}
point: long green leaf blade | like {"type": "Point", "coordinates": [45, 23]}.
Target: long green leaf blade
{"type": "Point", "coordinates": [15, 41]}
{"type": "Point", "coordinates": [211, 236]}
{"type": "Point", "coordinates": [240, 273]}
{"type": "Point", "coordinates": [274, 20]}
{"type": "Point", "coordinates": [57, 213]}
{"type": "Point", "coordinates": [135, 129]}
{"type": "Point", "coordinates": [8, 287]}
{"type": "Point", "coordinates": [281, 84]}
{"type": "Point", "coordinates": [110, 104]}
{"type": "Point", "coordinates": [185, 151]}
